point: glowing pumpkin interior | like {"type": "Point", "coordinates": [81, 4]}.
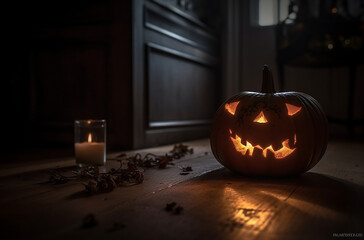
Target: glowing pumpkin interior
{"type": "Point", "coordinates": [261, 118]}
{"type": "Point", "coordinates": [249, 148]}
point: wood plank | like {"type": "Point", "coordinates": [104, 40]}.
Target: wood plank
{"type": "Point", "coordinates": [218, 204]}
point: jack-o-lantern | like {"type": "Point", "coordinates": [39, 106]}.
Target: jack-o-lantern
{"type": "Point", "coordinates": [269, 133]}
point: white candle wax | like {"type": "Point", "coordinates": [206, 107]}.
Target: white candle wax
{"type": "Point", "coordinates": [90, 153]}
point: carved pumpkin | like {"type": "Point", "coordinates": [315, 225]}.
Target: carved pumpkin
{"type": "Point", "coordinates": [269, 133]}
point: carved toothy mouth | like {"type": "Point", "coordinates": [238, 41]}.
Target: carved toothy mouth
{"type": "Point", "coordinates": [283, 152]}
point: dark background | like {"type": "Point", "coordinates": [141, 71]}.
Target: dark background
{"type": "Point", "coordinates": [156, 70]}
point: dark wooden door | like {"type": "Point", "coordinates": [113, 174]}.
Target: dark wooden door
{"type": "Point", "coordinates": [176, 70]}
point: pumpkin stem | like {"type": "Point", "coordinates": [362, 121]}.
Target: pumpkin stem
{"type": "Point", "coordinates": [267, 84]}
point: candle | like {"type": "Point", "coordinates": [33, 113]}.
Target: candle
{"type": "Point", "coordinates": [90, 153]}
{"type": "Point", "coordinates": [90, 142]}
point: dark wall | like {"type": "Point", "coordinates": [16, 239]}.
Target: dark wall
{"type": "Point", "coordinates": [66, 60]}
{"type": "Point", "coordinates": [326, 76]}
{"type": "Point", "coordinates": [151, 68]}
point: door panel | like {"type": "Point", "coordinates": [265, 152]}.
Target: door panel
{"type": "Point", "coordinates": [181, 74]}
{"type": "Point", "coordinates": [180, 91]}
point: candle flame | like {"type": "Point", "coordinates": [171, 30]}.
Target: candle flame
{"type": "Point", "coordinates": [89, 137]}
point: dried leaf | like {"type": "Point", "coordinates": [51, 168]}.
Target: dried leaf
{"type": "Point", "coordinates": [117, 226]}
{"type": "Point", "coordinates": [180, 150]}
{"type": "Point", "coordinates": [178, 210]}
{"type": "Point", "coordinates": [170, 206]}
{"type": "Point", "coordinates": [89, 221]}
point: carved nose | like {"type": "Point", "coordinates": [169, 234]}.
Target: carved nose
{"type": "Point", "coordinates": [261, 118]}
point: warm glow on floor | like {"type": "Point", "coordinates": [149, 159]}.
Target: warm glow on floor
{"type": "Point", "coordinates": [283, 152]}
{"type": "Point", "coordinates": [247, 211]}
{"type": "Point", "coordinates": [231, 107]}
{"type": "Point", "coordinates": [303, 206]}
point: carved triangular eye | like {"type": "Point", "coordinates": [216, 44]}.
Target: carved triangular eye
{"type": "Point", "coordinates": [292, 110]}
{"type": "Point", "coordinates": [261, 118]}
{"type": "Point", "coordinates": [231, 107]}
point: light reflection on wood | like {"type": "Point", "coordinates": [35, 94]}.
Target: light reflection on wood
{"type": "Point", "coordinates": [306, 207]}
{"type": "Point", "coordinates": [246, 215]}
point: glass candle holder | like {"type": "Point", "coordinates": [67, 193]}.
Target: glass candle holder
{"type": "Point", "coordinates": [90, 142]}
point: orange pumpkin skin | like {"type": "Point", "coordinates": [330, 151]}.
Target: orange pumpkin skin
{"type": "Point", "coordinates": [268, 133]}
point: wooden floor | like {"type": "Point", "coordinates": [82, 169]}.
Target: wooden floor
{"type": "Point", "coordinates": [325, 203]}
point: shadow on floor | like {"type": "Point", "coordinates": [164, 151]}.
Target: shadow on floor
{"type": "Point", "coordinates": [311, 203]}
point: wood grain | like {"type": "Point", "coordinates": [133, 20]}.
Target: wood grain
{"type": "Point", "coordinates": [218, 204]}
